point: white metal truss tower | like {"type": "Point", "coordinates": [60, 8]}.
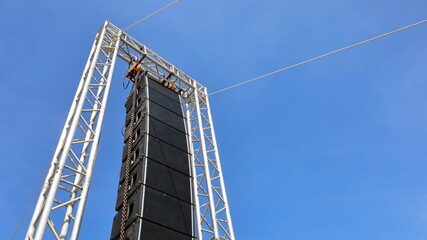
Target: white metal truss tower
{"type": "Point", "coordinates": [61, 204]}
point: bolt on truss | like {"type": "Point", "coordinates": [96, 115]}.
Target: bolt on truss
{"type": "Point", "coordinates": [61, 204]}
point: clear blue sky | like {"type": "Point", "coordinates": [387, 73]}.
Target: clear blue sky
{"type": "Point", "coordinates": [332, 150]}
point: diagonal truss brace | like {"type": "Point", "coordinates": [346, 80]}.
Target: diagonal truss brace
{"type": "Point", "coordinates": [61, 203]}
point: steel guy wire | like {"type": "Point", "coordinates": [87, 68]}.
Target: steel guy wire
{"type": "Point", "coordinates": [319, 57]}
{"type": "Point", "coordinates": [154, 13]}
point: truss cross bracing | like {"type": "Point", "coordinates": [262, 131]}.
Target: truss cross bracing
{"type": "Point", "coordinates": [60, 206]}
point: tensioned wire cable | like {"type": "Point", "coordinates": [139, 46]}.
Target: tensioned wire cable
{"type": "Point", "coordinates": [292, 66]}
{"type": "Point", "coordinates": [319, 57]}
{"type": "Point", "coordinates": [154, 13]}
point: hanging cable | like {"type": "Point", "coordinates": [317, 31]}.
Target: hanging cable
{"type": "Point", "coordinates": [319, 57]}
{"type": "Point", "coordinates": [127, 84]}
{"type": "Point", "coordinates": [154, 13]}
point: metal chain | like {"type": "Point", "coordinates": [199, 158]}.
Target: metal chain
{"type": "Point", "coordinates": [128, 163]}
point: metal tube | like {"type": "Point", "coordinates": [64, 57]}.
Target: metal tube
{"type": "Point", "coordinates": [194, 175]}
{"type": "Point", "coordinates": [94, 149]}
{"type": "Point", "coordinates": [218, 162]}
{"type": "Point", "coordinates": [40, 201]}
{"type": "Point", "coordinates": [54, 185]}
{"type": "Point", "coordinates": [87, 144]}
{"type": "Point", "coordinates": [206, 162]}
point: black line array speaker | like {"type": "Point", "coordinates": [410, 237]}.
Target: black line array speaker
{"type": "Point", "coordinates": [160, 204]}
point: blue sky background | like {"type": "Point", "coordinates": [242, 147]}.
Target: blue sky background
{"type": "Point", "coordinates": [335, 149]}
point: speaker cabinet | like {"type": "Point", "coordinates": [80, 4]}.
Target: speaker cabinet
{"type": "Point", "coordinates": [159, 195]}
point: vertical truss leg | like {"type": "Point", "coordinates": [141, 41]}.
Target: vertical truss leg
{"type": "Point", "coordinates": [195, 186]}
{"type": "Point", "coordinates": [62, 199]}
{"type": "Point", "coordinates": [214, 219]}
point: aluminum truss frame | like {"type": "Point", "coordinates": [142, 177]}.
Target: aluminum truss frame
{"type": "Point", "coordinates": [213, 212]}
{"type": "Point", "coordinates": [63, 196]}
{"type": "Point", "coordinates": [64, 193]}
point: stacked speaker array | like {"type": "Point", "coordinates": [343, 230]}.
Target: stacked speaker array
{"type": "Point", "coordinates": [159, 192]}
